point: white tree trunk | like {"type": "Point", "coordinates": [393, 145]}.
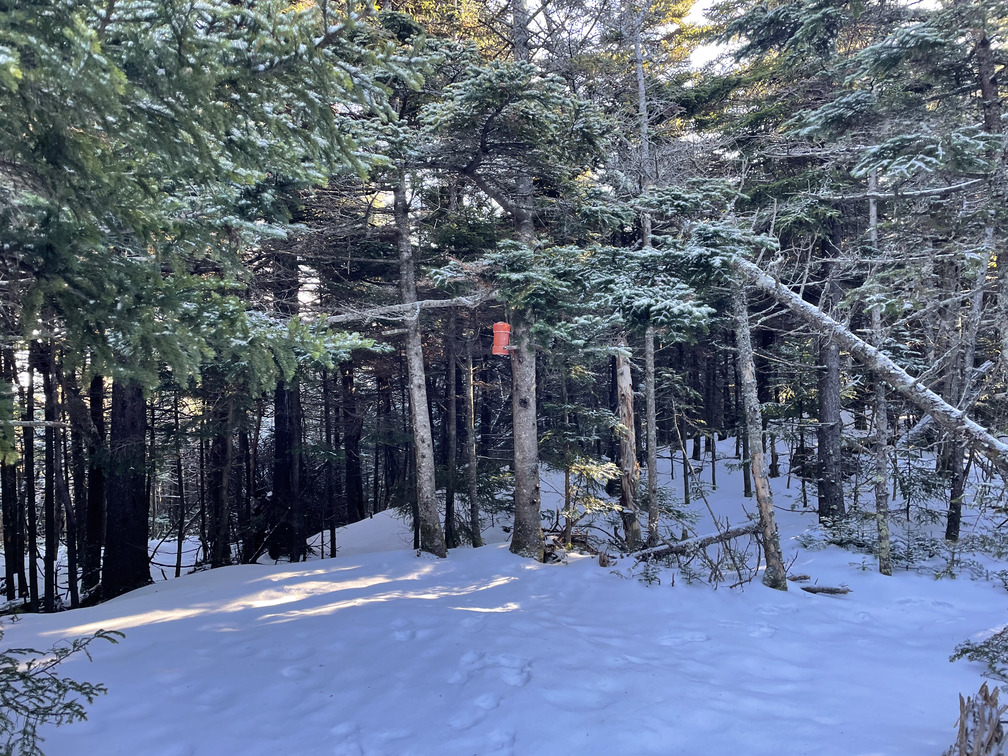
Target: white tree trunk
{"type": "Point", "coordinates": [431, 535]}
{"type": "Point", "coordinates": [775, 575]}
{"type": "Point", "coordinates": [629, 469]}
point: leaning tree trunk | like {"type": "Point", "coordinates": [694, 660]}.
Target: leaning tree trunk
{"type": "Point", "coordinates": [430, 532]}
{"type": "Point", "coordinates": [775, 575]}
{"type": "Point", "coordinates": [950, 418]}
{"type": "Point", "coordinates": [126, 564]}
{"type": "Point", "coordinates": [629, 469]}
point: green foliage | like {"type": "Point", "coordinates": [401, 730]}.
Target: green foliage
{"type": "Point", "coordinates": [992, 652]}
{"type": "Point", "coordinates": [32, 693]}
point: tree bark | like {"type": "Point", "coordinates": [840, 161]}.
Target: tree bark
{"type": "Point", "coordinates": [126, 564]}
{"type": "Point", "coordinates": [829, 431]}
{"type": "Point", "coordinates": [431, 535]}
{"type": "Point", "coordinates": [629, 469]}
{"type": "Point", "coordinates": [472, 468]}
{"type": "Point", "coordinates": [13, 548]}
{"type": "Point", "coordinates": [527, 538]}
{"type": "Point", "coordinates": [43, 355]}
{"type": "Point", "coordinates": [30, 504]}
{"type": "Point", "coordinates": [451, 426]}
{"type": "Point", "coordinates": [352, 425]}
{"type": "Point", "coordinates": [775, 574]}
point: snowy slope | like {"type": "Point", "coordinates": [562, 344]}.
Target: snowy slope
{"type": "Point", "coordinates": [382, 652]}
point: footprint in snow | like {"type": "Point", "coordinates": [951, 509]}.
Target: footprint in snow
{"type": "Point", "coordinates": [681, 638]}
{"type": "Point", "coordinates": [762, 630]}
{"type": "Point", "coordinates": [294, 673]}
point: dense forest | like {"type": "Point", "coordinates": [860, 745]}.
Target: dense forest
{"type": "Point", "coordinates": [252, 254]}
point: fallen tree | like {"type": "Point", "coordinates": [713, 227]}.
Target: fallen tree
{"type": "Point", "coordinates": [693, 545]}
{"type": "Point", "coordinates": [953, 420]}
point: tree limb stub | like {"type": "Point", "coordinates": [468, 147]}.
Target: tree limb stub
{"type": "Point", "coordinates": [953, 420]}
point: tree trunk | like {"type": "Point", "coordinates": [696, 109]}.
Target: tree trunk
{"type": "Point", "coordinates": [629, 469]}
{"type": "Point", "coordinates": [451, 426]}
{"type": "Point", "coordinates": [527, 538]}
{"type": "Point", "coordinates": [43, 355]}
{"type": "Point", "coordinates": [352, 424]}
{"type": "Point", "coordinates": [181, 491]}
{"type": "Point", "coordinates": [881, 460]}
{"type": "Point", "coordinates": [652, 435]}
{"type": "Point", "coordinates": [472, 469]}
{"type": "Point", "coordinates": [13, 548]}
{"type": "Point", "coordinates": [126, 564]}
{"type": "Point", "coordinates": [829, 431]}
{"type": "Point", "coordinates": [30, 504]}
{"type": "Point", "coordinates": [431, 536]}
{"type": "Point", "coordinates": [219, 483]}
{"type": "Point", "coordinates": [775, 575]}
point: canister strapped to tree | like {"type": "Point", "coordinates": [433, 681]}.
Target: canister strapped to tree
{"type": "Point", "coordinates": [502, 338]}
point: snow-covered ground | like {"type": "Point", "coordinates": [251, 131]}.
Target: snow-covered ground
{"type": "Point", "coordinates": [379, 651]}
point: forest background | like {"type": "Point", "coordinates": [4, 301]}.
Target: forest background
{"type": "Point", "coordinates": [197, 200]}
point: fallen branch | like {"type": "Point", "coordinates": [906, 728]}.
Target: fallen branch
{"type": "Point", "coordinates": [691, 545]}
{"type": "Point", "coordinates": [826, 589]}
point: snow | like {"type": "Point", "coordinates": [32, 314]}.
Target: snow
{"type": "Point", "coordinates": [379, 651]}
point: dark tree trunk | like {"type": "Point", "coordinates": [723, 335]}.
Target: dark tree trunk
{"type": "Point", "coordinates": [287, 501]}
{"type": "Point", "coordinates": [180, 487]}
{"type": "Point", "coordinates": [29, 491]}
{"type": "Point", "coordinates": [126, 563]}
{"type": "Point", "coordinates": [219, 483]}
{"type": "Point", "coordinates": [43, 355]}
{"type": "Point", "coordinates": [452, 539]}
{"type": "Point", "coordinates": [352, 425]}
{"type": "Point", "coordinates": [13, 547]}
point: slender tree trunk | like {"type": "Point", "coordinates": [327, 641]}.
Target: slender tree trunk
{"type": "Point", "coordinates": [221, 465]}
{"type": "Point", "coordinates": [431, 535]}
{"type": "Point", "coordinates": [126, 564]}
{"type": "Point", "coordinates": [527, 538]}
{"type": "Point", "coordinates": [629, 469]}
{"type": "Point", "coordinates": [13, 549]}
{"type": "Point", "coordinates": [352, 424]}
{"type": "Point", "coordinates": [775, 575]}
{"type": "Point", "coordinates": [63, 494]}
{"type": "Point", "coordinates": [829, 431]}
{"type": "Point", "coordinates": [472, 469]}
{"type": "Point", "coordinates": [43, 355]}
{"type": "Point", "coordinates": [329, 478]}
{"type": "Point", "coordinates": [881, 460]}
{"type": "Point", "coordinates": [452, 539]}
{"type": "Point", "coordinates": [180, 487]}
{"type": "Point", "coordinates": [29, 491]}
